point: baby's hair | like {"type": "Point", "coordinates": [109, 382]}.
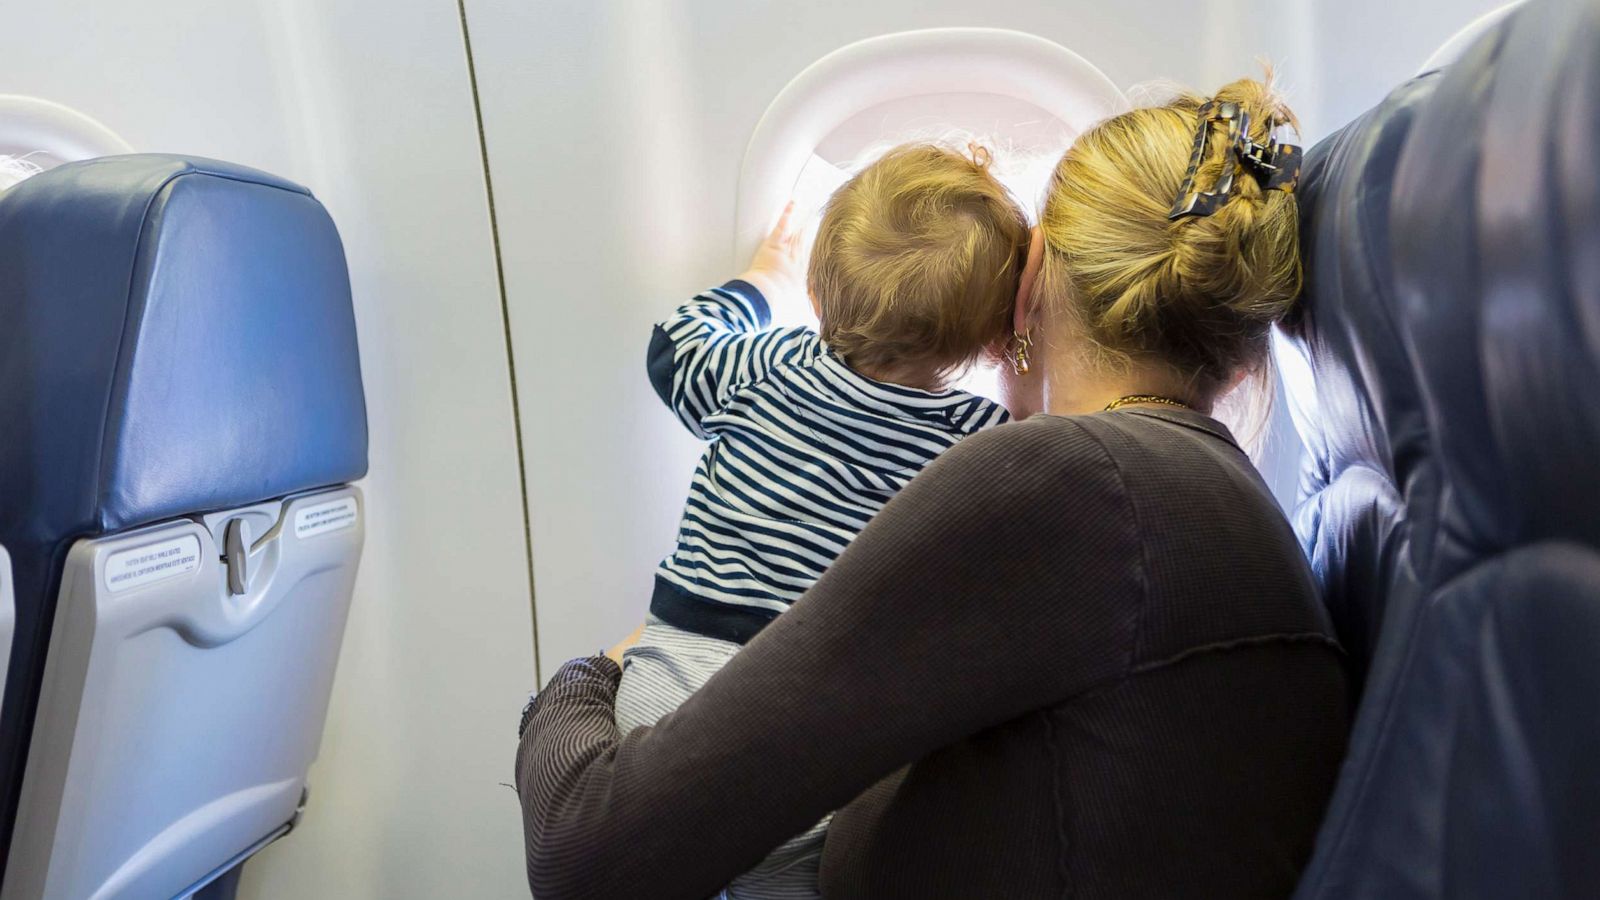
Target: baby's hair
{"type": "Point", "coordinates": [916, 264]}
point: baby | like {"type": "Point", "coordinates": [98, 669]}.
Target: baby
{"type": "Point", "coordinates": [913, 276]}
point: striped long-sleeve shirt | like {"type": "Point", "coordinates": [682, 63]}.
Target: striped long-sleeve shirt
{"type": "Point", "coordinates": [803, 452]}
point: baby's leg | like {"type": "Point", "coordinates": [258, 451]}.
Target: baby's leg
{"type": "Point", "coordinates": [658, 674]}
{"type": "Point", "coordinates": [662, 669]}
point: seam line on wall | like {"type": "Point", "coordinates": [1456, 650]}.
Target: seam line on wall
{"type": "Point", "coordinates": [505, 327]}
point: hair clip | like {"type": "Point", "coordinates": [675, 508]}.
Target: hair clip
{"type": "Point", "coordinates": [1275, 166]}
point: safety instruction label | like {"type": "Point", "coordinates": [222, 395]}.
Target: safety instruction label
{"type": "Point", "coordinates": [321, 518]}
{"type": "Point", "coordinates": [127, 569]}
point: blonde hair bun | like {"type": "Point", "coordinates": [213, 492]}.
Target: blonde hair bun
{"type": "Point", "coordinates": [1197, 293]}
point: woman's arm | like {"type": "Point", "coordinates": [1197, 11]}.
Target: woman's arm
{"type": "Point", "coordinates": [952, 612]}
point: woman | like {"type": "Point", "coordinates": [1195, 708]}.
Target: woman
{"type": "Point", "coordinates": [1079, 655]}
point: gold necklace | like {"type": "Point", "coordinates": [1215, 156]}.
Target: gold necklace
{"type": "Point", "coordinates": [1145, 398]}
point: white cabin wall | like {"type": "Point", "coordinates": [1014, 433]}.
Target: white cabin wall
{"type": "Point", "coordinates": [1368, 47]}
{"type": "Point", "coordinates": [367, 102]}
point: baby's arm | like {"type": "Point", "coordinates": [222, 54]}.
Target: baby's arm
{"type": "Point", "coordinates": [720, 341]}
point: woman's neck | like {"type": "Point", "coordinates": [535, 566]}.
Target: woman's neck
{"type": "Point", "coordinates": [1076, 389]}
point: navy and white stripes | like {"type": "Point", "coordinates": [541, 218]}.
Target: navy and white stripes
{"type": "Point", "coordinates": [804, 451]}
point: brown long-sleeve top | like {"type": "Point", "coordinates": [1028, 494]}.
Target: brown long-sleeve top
{"type": "Point", "coordinates": [1075, 657]}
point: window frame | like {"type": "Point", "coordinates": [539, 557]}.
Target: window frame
{"type": "Point", "coordinates": [896, 66]}
{"type": "Point", "coordinates": [59, 132]}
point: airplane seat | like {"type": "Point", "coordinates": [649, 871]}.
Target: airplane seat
{"type": "Point", "coordinates": [182, 411]}
{"type": "Point", "coordinates": [1451, 334]}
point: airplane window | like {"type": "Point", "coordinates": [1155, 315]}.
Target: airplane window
{"type": "Point", "coordinates": [1026, 141]}
{"type": "Point", "coordinates": [1019, 95]}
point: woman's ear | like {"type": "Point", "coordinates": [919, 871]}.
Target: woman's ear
{"type": "Point", "coordinates": [1024, 315]}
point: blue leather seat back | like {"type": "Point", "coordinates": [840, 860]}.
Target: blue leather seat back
{"type": "Point", "coordinates": [1452, 326]}
{"type": "Point", "coordinates": [176, 337]}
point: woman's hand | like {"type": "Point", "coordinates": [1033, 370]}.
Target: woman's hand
{"type": "Point", "coordinates": [776, 269]}
{"type": "Point", "coordinates": [615, 653]}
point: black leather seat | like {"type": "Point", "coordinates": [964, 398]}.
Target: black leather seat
{"type": "Point", "coordinates": [1451, 505]}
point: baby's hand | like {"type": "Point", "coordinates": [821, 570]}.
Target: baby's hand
{"type": "Point", "coordinates": [776, 269]}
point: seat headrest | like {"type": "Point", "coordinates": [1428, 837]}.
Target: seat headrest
{"type": "Point", "coordinates": [1448, 339]}
{"type": "Point", "coordinates": [176, 337]}
{"type": "Point", "coordinates": [1497, 268]}
{"type": "Point", "coordinates": [179, 338]}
